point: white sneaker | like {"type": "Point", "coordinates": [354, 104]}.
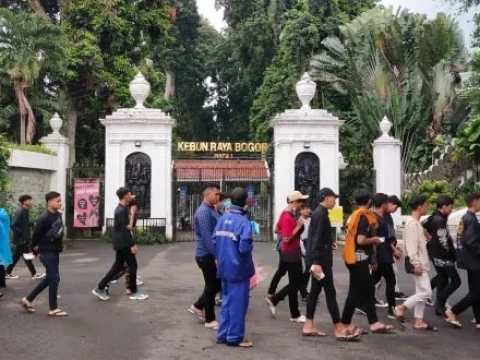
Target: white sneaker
{"type": "Point", "coordinates": [139, 295]}
{"type": "Point", "coordinates": [212, 325]}
{"type": "Point", "coordinates": [38, 276]}
{"type": "Point", "coordinates": [380, 303]}
{"type": "Point", "coordinates": [139, 282]}
{"type": "Point", "coordinates": [11, 277]}
{"type": "Point", "coordinates": [301, 319]}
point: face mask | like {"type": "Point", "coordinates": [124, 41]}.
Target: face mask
{"type": "Point", "coordinates": [225, 205]}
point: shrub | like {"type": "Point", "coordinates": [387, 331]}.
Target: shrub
{"type": "Point", "coordinates": [32, 148]}
{"type": "Point", "coordinates": [142, 236]}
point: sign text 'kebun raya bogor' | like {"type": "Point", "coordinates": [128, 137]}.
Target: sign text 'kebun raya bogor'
{"type": "Point", "coordinates": [222, 147]}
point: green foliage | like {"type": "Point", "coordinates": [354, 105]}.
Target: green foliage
{"type": "Point", "coordinates": [141, 237]}
{"type": "Point", "coordinates": [4, 167]}
{"type": "Point", "coordinates": [432, 190]}
{"type": "Point", "coordinates": [32, 148]}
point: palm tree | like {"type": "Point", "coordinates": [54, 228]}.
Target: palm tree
{"type": "Point", "coordinates": [29, 47]}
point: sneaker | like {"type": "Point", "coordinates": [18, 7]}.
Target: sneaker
{"type": "Point", "coordinates": [380, 303]}
{"type": "Point", "coordinates": [140, 282]}
{"type": "Point", "coordinates": [139, 295]}
{"type": "Point", "coordinates": [301, 319]}
{"type": "Point", "coordinates": [212, 325]}
{"type": "Point", "coordinates": [38, 276]}
{"type": "Point", "coordinates": [430, 302]}
{"type": "Point", "coordinates": [271, 307]}
{"type": "Point", "coordinates": [400, 296]}
{"type": "Point", "coordinates": [360, 311]}
{"type": "Point", "coordinates": [11, 277]}
{"type": "Point", "coordinates": [101, 294]}
{"type": "Point", "coordinates": [392, 314]}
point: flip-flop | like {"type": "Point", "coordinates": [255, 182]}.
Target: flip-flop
{"type": "Point", "coordinates": [58, 313]}
{"type": "Point", "coordinates": [349, 336]}
{"type": "Point", "coordinates": [386, 329]}
{"type": "Point", "coordinates": [426, 328]}
{"type": "Point", "coordinates": [27, 306]}
{"type": "Point", "coordinates": [243, 344]}
{"type": "Point", "coordinates": [197, 315]}
{"type": "Point", "coordinates": [314, 334]}
{"type": "Point", "coordinates": [455, 323]}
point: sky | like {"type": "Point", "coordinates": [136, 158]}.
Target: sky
{"type": "Point", "coordinates": [429, 7]}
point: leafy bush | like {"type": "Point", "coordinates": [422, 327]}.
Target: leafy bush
{"type": "Point", "coordinates": [32, 148]}
{"type": "Point", "coordinates": [142, 236]}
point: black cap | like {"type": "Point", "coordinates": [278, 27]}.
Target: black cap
{"type": "Point", "coordinates": [393, 199]}
{"type": "Point", "coordinates": [325, 192]}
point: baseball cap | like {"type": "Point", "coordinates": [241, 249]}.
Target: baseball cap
{"type": "Point", "coordinates": [325, 192]}
{"type": "Point", "coordinates": [296, 196]}
{"type": "Point", "coordinates": [393, 199]}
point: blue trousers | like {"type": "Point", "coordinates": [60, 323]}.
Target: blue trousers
{"type": "Point", "coordinates": [235, 299]}
{"type": "Point", "coordinates": [51, 261]}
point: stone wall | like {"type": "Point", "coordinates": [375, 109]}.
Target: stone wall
{"type": "Point", "coordinates": [35, 182]}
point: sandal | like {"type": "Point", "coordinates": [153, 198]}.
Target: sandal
{"type": "Point", "coordinates": [244, 344]}
{"type": "Point", "coordinates": [314, 333]}
{"type": "Point", "coordinates": [452, 320]}
{"type": "Point", "coordinates": [57, 312]}
{"type": "Point", "coordinates": [27, 305]}
{"type": "Point", "coordinates": [385, 329]}
{"type": "Point", "coordinates": [426, 327]}
{"type": "Point", "coordinates": [349, 336]}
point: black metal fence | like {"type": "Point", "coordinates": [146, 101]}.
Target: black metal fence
{"type": "Point", "coordinates": [153, 226]}
{"type": "Point", "coordinates": [84, 172]}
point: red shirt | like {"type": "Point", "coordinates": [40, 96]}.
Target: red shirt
{"type": "Point", "coordinates": [290, 251]}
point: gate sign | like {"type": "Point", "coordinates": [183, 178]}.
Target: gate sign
{"type": "Point", "coordinates": [86, 203]}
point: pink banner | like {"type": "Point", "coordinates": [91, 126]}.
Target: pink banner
{"type": "Point", "coordinates": [86, 203]}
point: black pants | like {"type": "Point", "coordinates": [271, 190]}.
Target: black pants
{"type": "Point", "coordinates": [447, 282]}
{"type": "Point", "coordinates": [2, 276]}
{"type": "Point", "coordinates": [360, 291]}
{"type": "Point", "coordinates": [472, 298]}
{"type": "Point", "coordinates": [206, 301]}
{"type": "Point", "coordinates": [330, 295]}
{"type": "Point", "coordinates": [281, 272]}
{"type": "Point", "coordinates": [122, 256]}
{"type": "Point", "coordinates": [17, 254]}
{"type": "Point", "coordinates": [386, 271]}
{"type": "Point", "coordinates": [294, 270]}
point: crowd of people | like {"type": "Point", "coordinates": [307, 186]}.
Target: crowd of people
{"type": "Point", "coordinates": [306, 244]}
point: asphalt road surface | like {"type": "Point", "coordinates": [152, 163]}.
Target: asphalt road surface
{"type": "Point", "coordinates": [161, 328]}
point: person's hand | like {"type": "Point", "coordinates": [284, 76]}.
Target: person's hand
{"type": "Point", "coordinates": [316, 270]}
{"type": "Point", "coordinates": [418, 270]}
{"type": "Point", "coordinates": [134, 249]}
{"type": "Point", "coordinates": [129, 227]}
{"type": "Point", "coordinates": [334, 246]}
{"type": "Point", "coordinates": [300, 221]}
{"type": "Point", "coordinates": [376, 241]}
{"type": "Point", "coordinates": [397, 254]}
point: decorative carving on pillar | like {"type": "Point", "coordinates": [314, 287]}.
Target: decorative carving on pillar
{"type": "Point", "coordinates": [138, 176]}
{"type": "Point", "coordinates": [307, 175]}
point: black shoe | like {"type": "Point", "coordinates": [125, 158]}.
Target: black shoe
{"type": "Point", "coordinates": [392, 314]}
{"type": "Point", "coordinates": [400, 296]}
{"type": "Point", "coordinates": [305, 298]}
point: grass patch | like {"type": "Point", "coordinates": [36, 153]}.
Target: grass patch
{"type": "Point", "coordinates": [32, 148]}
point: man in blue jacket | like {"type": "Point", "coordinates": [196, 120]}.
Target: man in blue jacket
{"type": "Point", "coordinates": [233, 241]}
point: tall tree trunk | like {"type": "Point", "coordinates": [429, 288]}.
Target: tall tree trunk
{"type": "Point", "coordinates": [72, 130]}
{"type": "Point", "coordinates": [170, 85]}
{"type": "Point", "coordinates": [37, 7]}
{"type": "Point", "coordinates": [17, 85]}
{"type": "Point", "coordinates": [30, 120]}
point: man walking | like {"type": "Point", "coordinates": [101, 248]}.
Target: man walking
{"type": "Point", "coordinates": [125, 248]}
{"type": "Point", "coordinates": [205, 220]}
{"type": "Point", "coordinates": [319, 260]}
{"type": "Point", "coordinates": [416, 251]}
{"type": "Point", "coordinates": [21, 238]}
{"type": "Point", "coordinates": [291, 256]}
{"type": "Point", "coordinates": [468, 258]}
{"type": "Point", "coordinates": [47, 242]}
{"type": "Point", "coordinates": [233, 242]}
{"type": "Point", "coordinates": [443, 253]}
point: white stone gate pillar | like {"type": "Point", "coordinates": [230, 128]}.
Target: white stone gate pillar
{"type": "Point", "coordinates": [147, 133]}
{"type": "Point", "coordinates": [388, 164]}
{"type": "Point", "coordinates": [60, 145]}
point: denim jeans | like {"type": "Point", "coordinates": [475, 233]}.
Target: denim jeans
{"type": "Point", "coordinates": [51, 261]}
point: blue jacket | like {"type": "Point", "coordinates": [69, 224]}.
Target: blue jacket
{"type": "Point", "coordinates": [233, 241]}
{"type": "Point", "coordinates": [205, 219]}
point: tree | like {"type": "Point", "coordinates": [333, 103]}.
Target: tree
{"type": "Point", "coordinates": [29, 47]}
{"type": "Point", "coordinates": [382, 62]}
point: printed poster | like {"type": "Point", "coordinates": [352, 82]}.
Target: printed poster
{"type": "Point", "coordinates": [86, 203]}
{"type": "Point", "coordinates": [336, 216]}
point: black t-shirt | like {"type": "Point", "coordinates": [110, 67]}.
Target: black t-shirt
{"type": "Point", "coordinates": [133, 203]}
{"type": "Point", "coordinates": [384, 250]}
{"type": "Point", "coordinates": [366, 230]}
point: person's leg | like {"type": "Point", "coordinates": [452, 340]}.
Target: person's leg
{"type": "Point", "coordinates": [209, 269]}
{"type": "Point", "coordinates": [53, 276]}
{"type": "Point", "coordinates": [114, 270]}
{"type": "Point", "coordinates": [389, 276]}
{"type": "Point", "coordinates": [281, 272]}
{"type": "Point", "coordinates": [452, 283]}
{"type": "Point", "coordinates": [351, 301]}
{"type": "Point", "coordinates": [2, 276]}
{"type": "Point", "coordinates": [239, 292]}
{"type": "Point", "coordinates": [474, 285]}
{"type": "Point", "coordinates": [331, 295]}
{"type": "Point", "coordinates": [17, 254]}
{"type": "Point", "coordinates": [368, 291]}
{"type": "Point", "coordinates": [42, 285]}
{"type": "Point", "coordinates": [132, 265]}
{"type": "Point", "coordinates": [424, 292]}
{"type": "Point", "coordinates": [312, 300]}
{"type": "Point", "coordinates": [225, 311]}
{"type": "Point", "coordinates": [294, 281]}
{"type": "Point", "coordinates": [305, 280]}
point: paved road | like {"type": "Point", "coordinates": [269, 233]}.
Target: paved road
{"type": "Point", "coordinates": [160, 328]}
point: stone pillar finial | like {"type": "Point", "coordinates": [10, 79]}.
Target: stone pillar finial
{"type": "Point", "coordinates": [139, 89]}
{"type": "Point", "coordinates": [306, 89]}
{"type": "Point", "coordinates": [385, 127]}
{"type": "Point", "coordinates": [56, 123]}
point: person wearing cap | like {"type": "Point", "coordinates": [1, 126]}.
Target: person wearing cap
{"type": "Point", "coordinates": [291, 253]}
{"type": "Point", "coordinates": [319, 259]}
{"type": "Point", "coordinates": [233, 243]}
